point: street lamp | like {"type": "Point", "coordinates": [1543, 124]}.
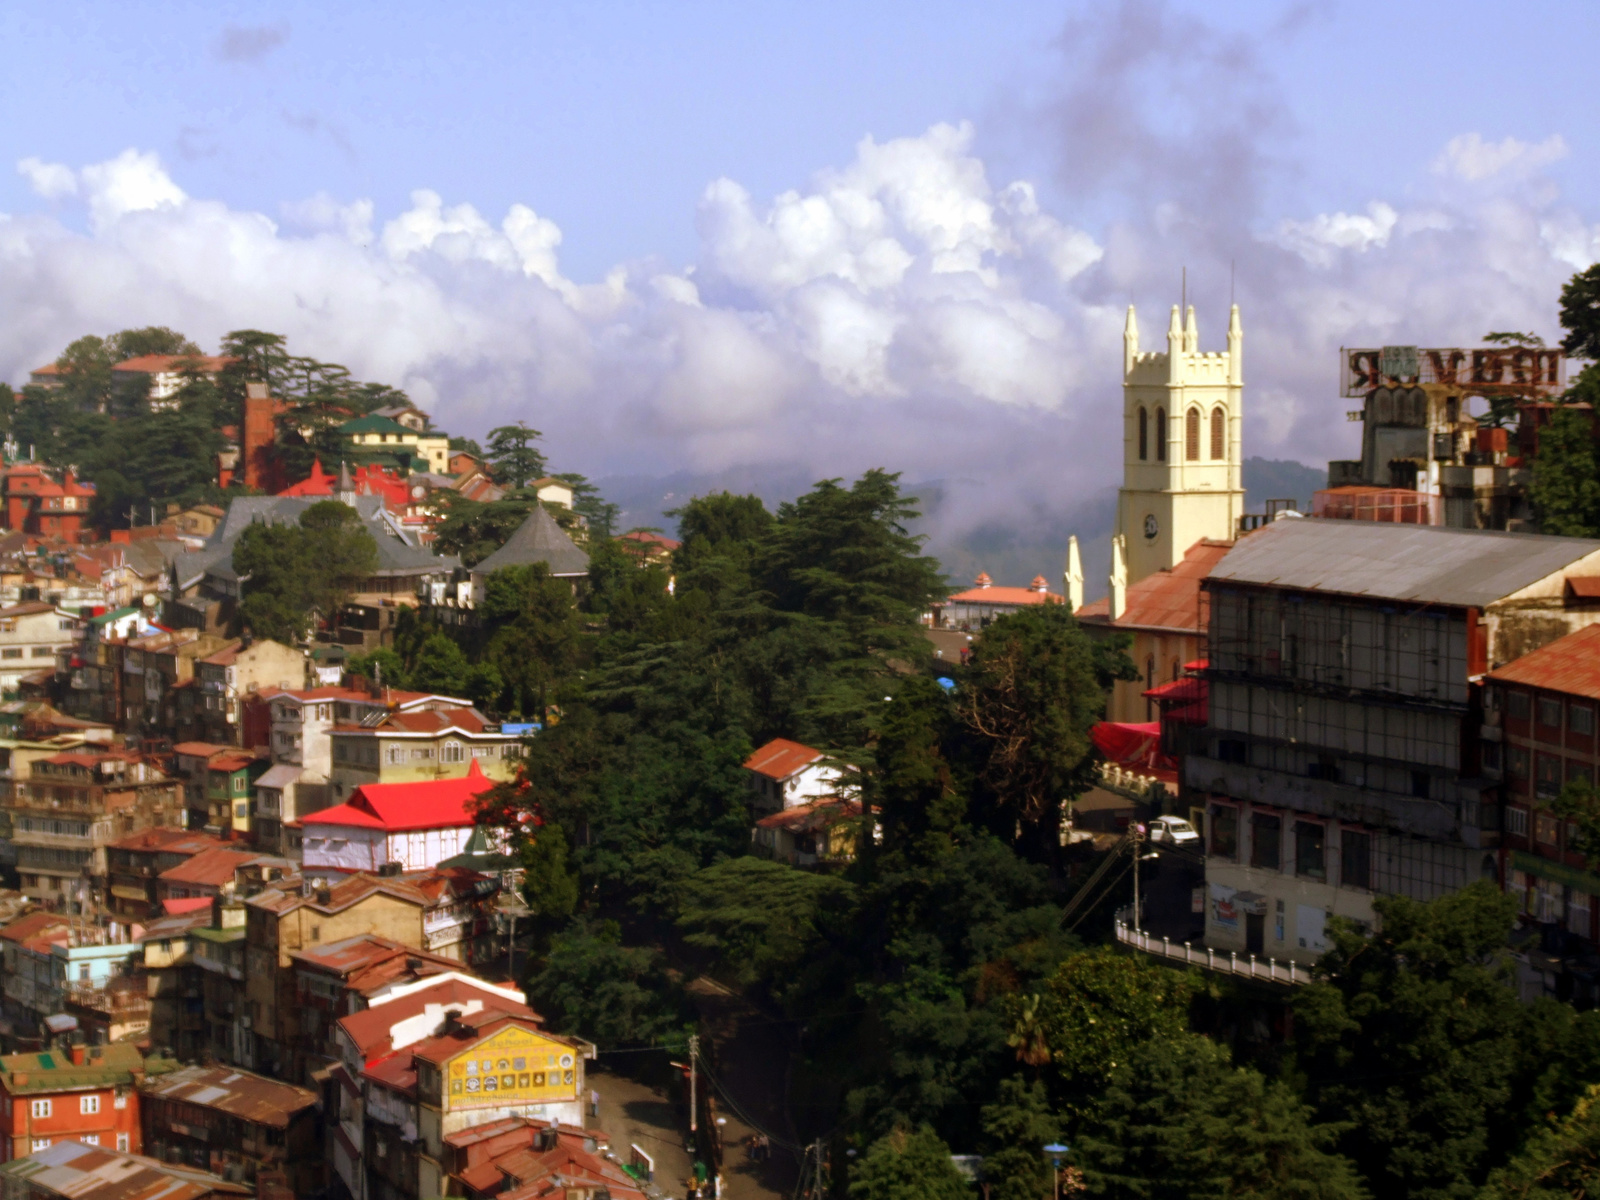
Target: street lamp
{"type": "Point", "coordinates": [1057, 1151]}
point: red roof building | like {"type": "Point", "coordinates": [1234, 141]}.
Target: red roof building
{"type": "Point", "coordinates": [1540, 722]}
{"type": "Point", "coordinates": [204, 875]}
{"type": "Point", "coordinates": [414, 824]}
{"type": "Point", "coordinates": [1167, 614]}
{"type": "Point", "coordinates": [35, 501]}
{"type": "Point", "coordinates": [786, 774]}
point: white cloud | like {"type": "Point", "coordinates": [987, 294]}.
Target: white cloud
{"type": "Point", "coordinates": [1468, 156]}
{"type": "Point", "coordinates": [900, 309]}
{"type": "Point", "coordinates": [1320, 239]}
{"type": "Point", "coordinates": [50, 180]}
{"type": "Point", "coordinates": [130, 183]}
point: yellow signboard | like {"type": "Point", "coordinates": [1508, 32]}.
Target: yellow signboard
{"type": "Point", "coordinates": [515, 1066]}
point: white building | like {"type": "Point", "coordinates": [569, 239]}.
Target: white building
{"type": "Point", "coordinates": [787, 774]}
{"type": "Point", "coordinates": [417, 825]}
{"type": "Point", "coordinates": [31, 634]}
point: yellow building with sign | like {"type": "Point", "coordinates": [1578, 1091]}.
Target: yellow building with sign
{"type": "Point", "coordinates": [505, 1067]}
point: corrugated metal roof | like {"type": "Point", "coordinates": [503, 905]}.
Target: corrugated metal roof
{"type": "Point", "coordinates": [1422, 564]}
{"type": "Point", "coordinates": [781, 758]}
{"type": "Point", "coordinates": [238, 1093]}
{"type": "Point", "coordinates": [1570, 664]}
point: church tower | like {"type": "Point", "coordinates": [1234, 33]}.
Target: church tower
{"type": "Point", "coordinates": [1183, 427]}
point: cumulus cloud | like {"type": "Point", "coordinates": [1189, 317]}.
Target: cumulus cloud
{"type": "Point", "coordinates": [902, 308]}
{"type": "Point", "coordinates": [1473, 159]}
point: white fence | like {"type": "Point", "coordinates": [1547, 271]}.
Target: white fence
{"type": "Point", "coordinates": [1227, 962]}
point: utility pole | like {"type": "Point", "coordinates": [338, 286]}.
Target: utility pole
{"type": "Point", "coordinates": [694, 1107]}
{"type": "Point", "coordinates": [1133, 832]}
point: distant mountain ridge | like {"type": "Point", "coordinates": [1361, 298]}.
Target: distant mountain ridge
{"type": "Point", "coordinates": [1027, 539]}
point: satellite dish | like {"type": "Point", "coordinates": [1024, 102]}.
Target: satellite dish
{"type": "Point", "coordinates": [149, 600]}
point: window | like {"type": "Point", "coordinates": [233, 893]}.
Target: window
{"type": "Point", "coordinates": [1517, 821]}
{"type": "Point", "coordinates": [1355, 858]}
{"type": "Point", "coordinates": [88, 1105]}
{"type": "Point", "coordinates": [40, 1143]}
{"type": "Point", "coordinates": [1266, 837]}
{"type": "Point", "coordinates": [90, 1139]}
{"type": "Point", "coordinates": [1308, 849]}
{"type": "Point", "coordinates": [1545, 827]}
{"type": "Point", "coordinates": [394, 755]}
{"type": "Point", "coordinates": [1225, 831]}
{"type": "Point", "coordinates": [1549, 779]}
{"type": "Point", "coordinates": [43, 652]}
{"type": "Point", "coordinates": [1580, 720]}
{"type": "Point", "coordinates": [39, 1108]}
{"type": "Point", "coordinates": [1191, 435]}
{"type": "Point", "coordinates": [1578, 913]}
{"type": "Point", "coordinates": [1144, 434]}
{"type": "Point", "coordinates": [1419, 784]}
{"type": "Point", "coordinates": [122, 1142]}
{"type": "Point", "coordinates": [1517, 762]}
{"type": "Point", "coordinates": [1550, 712]}
{"type": "Point", "coordinates": [1161, 435]}
{"type": "Point", "coordinates": [1232, 750]}
{"type": "Point", "coordinates": [10, 652]}
{"type": "Point", "coordinates": [453, 752]}
{"type": "Point", "coordinates": [1491, 757]}
{"type": "Point", "coordinates": [1517, 705]}
{"type": "Point", "coordinates": [1219, 435]}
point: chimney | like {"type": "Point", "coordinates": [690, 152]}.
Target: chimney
{"type": "Point", "coordinates": [76, 1052]}
{"type": "Point", "coordinates": [324, 895]}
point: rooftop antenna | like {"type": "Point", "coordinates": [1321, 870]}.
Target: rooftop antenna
{"type": "Point", "coordinates": [1183, 294]}
{"type": "Point", "coordinates": [1232, 263]}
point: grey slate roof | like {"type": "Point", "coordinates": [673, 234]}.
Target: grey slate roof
{"type": "Point", "coordinates": [1426, 564]}
{"type": "Point", "coordinates": [397, 554]}
{"type": "Point", "coordinates": [538, 539]}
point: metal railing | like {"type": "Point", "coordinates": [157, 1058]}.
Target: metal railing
{"type": "Point", "coordinates": [1226, 962]}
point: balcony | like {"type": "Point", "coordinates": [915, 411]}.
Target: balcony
{"type": "Point", "coordinates": [1224, 963]}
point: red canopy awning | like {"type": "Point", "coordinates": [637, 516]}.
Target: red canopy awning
{"type": "Point", "coordinates": [1136, 747]}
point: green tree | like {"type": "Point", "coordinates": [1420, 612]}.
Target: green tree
{"type": "Point", "coordinates": [380, 662]}
{"type": "Point", "coordinates": [757, 918]}
{"type": "Point", "coordinates": [600, 517]}
{"type": "Point", "coordinates": [1035, 686]}
{"type": "Point", "coordinates": [1561, 1161]}
{"type": "Point", "coordinates": [441, 666]}
{"type": "Point", "coordinates": [290, 574]}
{"type": "Point", "coordinates": [535, 641]}
{"type": "Point", "coordinates": [1413, 1042]}
{"type": "Point", "coordinates": [612, 994]}
{"type": "Point", "coordinates": [1566, 477]}
{"type": "Point", "coordinates": [1016, 1128]}
{"type": "Point", "coordinates": [549, 884]}
{"type": "Point", "coordinates": [908, 1165]}
{"type": "Point", "coordinates": [1179, 1122]}
{"type": "Point", "coordinates": [1097, 1007]}
{"type": "Point", "coordinates": [514, 460]}
{"type": "Point", "coordinates": [84, 377]}
{"type": "Point", "coordinates": [152, 339]}
{"type": "Point", "coordinates": [1580, 314]}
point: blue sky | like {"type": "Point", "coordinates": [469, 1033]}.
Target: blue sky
{"type": "Point", "coordinates": [822, 236]}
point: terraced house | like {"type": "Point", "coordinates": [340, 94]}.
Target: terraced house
{"type": "Point", "coordinates": [71, 807]}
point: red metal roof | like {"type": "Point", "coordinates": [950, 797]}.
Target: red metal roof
{"type": "Point", "coordinates": [399, 807]}
{"type": "Point", "coordinates": [1168, 600]}
{"type": "Point", "coordinates": [152, 364]}
{"type": "Point", "coordinates": [1584, 587]}
{"type": "Point", "coordinates": [170, 841]}
{"type": "Point", "coordinates": [1570, 664]}
{"type": "Point", "coordinates": [31, 926]}
{"type": "Point", "coordinates": [369, 1028]}
{"type": "Point", "coordinates": [807, 818]}
{"type": "Point", "coordinates": [780, 758]}
{"type": "Point", "coordinates": [176, 908]}
{"type": "Point", "coordinates": [210, 867]}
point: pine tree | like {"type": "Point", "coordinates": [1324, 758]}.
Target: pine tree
{"type": "Point", "coordinates": [908, 1165]}
{"type": "Point", "coordinates": [1566, 476]}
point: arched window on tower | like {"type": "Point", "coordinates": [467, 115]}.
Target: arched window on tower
{"type": "Point", "coordinates": [1191, 435]}
{"type": "Point", "coordinates": [1161, 435]}
{"type": "Point", "coordinates": [1219, 434]}
{"type": "Point", "coordinates": [1144, 434]}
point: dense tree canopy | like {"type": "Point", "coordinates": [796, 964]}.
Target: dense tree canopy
{"type": "Point", "coordinates": [291, 573]}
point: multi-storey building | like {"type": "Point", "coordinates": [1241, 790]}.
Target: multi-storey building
{"type": "Point", "coordinates": [436, 743]}
{"type": "Point", "coordinates": [1539, 735]}
{"type": "Point", "coordinates": [224, 678]}
{"type": "Point", "coordinates": [284, 919]}
{"type": "Point", "coordinates": [86, 1094]}
{"type": "Point", "coordinates": [236, 1124]}
{"type": "Point", "coordinates": [31, 636]}
{"type": "Point", "coordinates": [36, 502]}
{"type": "Point", "coordinates": [72, 807]}
{"type": "Point", "coordinates": [154, 665]}
{"type": "Point", "coordinates": [134, 863]}
{"type": "Point", "coordinates": [375, 1144]}
{"type": "Point", "coordinates": [1340, 756]}
{"type": "Point", "coordinates": [175, 985]}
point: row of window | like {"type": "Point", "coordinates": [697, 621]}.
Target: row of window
{"type": "Point", "coordinates": [35, 652]}
{"type": "Point", "coordinates": [1548, 771]}
{"type": "Point", "coordinates": [1550, 711]}
{"type": "Point", "coordinates": [88, 1106]}
{"type": "Point", "coordinates": [1308, 845]}
{"type": "Point", "coordinates": [88, 1139]}
{"type": "Point", "coordinates": [1191, 434]}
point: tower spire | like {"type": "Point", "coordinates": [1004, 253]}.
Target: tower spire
{"type": "Point", "coordinates": [1073, 576]}
{"type": "Point", "coordinates": [1130, 341]}
{"type": "Point", "coordinates": [1119, 578]}
{"type": "Point", "coordinates": [1191, 334]}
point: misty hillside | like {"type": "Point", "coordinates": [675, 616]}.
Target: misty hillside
{"type": "Point", "coordinates": [960, 530]}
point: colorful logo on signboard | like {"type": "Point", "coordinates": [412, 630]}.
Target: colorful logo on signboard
{"type": "Point", "coordinates": [515, 1066]}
